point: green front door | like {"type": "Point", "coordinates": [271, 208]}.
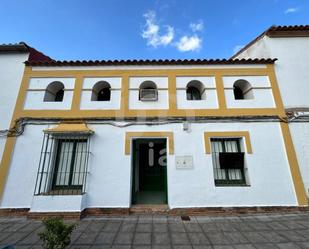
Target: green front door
{"type": "Point", "coordinates": [149, 171]}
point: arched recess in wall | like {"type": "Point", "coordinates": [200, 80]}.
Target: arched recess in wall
{"type": "Point", "coordinates": [54, 92]}
{"type": "Point", "coordinates": [148, 91]}
{"type": "Point", "coordinates": [101, 91]}
{"type": "Point", "coordinates": [242, 90]}
{"type": "Point", "coordinates": [195, 90]}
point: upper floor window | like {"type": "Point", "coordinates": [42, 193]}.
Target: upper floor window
{"type": "Point", "coordinates": [242, 90]}
{"type": "Point", "coordinates": [148, 91]}
{"type": "Point", "coordinates": [101, 91]}
{"type": "Point", "coordinates": [195, 90]}
{"type": "Point", "coordinates": [54, 92]}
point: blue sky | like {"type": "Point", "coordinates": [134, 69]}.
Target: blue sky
{"type": "Point", "coordinates": [143, 29]}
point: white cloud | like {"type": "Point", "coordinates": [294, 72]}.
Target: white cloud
{"type": "Point", "coordinates": [291, 10]}
{"type": "Point", "coordinates": [237, 48]}
{"type": "Point", "coordinates": [155, 38]}
{"type": "Point", "coordinates": [199, 26]}
{"type": "Point", "coordinates": [189, 43]}
{"type": "Point", "coordinates": [151, 32]}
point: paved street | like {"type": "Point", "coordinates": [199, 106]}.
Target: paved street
{"type": "Point", "coordinates": [160, 232]}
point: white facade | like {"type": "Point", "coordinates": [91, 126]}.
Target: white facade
{"type": "Point", "coordinates": [11, 73]}
{"type": "Point", "coordinates": [110, 177]}
{"type": "Point", "coordinates": [88, 137]}
{"type": "Point", "coordinates": [293, 80]}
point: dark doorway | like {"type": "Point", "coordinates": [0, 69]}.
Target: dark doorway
{"type": "Point", "coordinates": [149, 171]}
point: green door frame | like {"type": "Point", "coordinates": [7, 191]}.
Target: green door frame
{"type": "Point", "coordinates": [134, 156]}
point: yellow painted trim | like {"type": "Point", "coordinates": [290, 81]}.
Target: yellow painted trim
{"type": "Point", "coordinates": [10, 141]}
{"type": "Point", "coordinates": [159, 134]}
{"type": "Point", "coordinates": [294, 167]}
{"type": "Point", "coordinates": [172, 93]}
{"type": "Point", "coordinates": [152, 72]}
{"type": "Point", "coordinates": [220, 91]}
{"type": "Point", "coordinates": [77, 92]}
{"type": "Point", "coordinates": [69, 127]}
{"type": "Point", "coordinates": [124, 112]}
{"type": "Point", "coordinates": [275, 89]}
{"type": "Point", "coordinates": [223, 134]}
{"type": "Point", "coordinates": [5, 163]}
{"type": "Point", "coordinates": [124, 104]}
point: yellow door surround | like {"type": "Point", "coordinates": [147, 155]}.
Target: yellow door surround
{"type": "Point", "coordinates": [227, 134]}
{"type": "Point", "coordinates": [155, 134]}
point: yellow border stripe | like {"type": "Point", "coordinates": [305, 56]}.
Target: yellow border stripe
{"type": "Point", "coordinates": [236, 134]}
{"type": "Point", "coordinates": [130, 135]}
{"type": "Point", "coordinates": [294, 168]}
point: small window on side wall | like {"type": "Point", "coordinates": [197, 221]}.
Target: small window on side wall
{"type": "Point", "coordinates": [148, 91]}
{"type": "Point", "coordinates": [101, 91]}
{"type": "Point", "coordinates": [195, 90]}
{"type": "Point", "coordinates": [54, 92]}
{"type": "Point", "coordinates": [242, 90]}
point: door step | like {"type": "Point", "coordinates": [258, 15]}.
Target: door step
{"type": "Point", "coordinates": [149, 209]}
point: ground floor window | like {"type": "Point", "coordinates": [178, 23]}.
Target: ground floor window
{"type": "Point", "coordinates": [228, 161]}
{"type": "Point", "coordinates": [63, 165]}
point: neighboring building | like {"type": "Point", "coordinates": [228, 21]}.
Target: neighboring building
{"type": "Point", "coordinates": [105, 136]}
{"type": "Point", "coordinates": [290, 44]}
{"type": "Point", "coordinates": [12, 58]}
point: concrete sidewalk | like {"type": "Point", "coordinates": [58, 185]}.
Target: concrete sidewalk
{"type": "Point", "coordinates": [163, 232]}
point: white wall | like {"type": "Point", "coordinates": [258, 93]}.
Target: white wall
{"type": "Point", "coordinates": [11, 73]}
{"type": "Point", "coordinates": [19, 188]}
{"type": "Point", "coordinates": [291, 68]}
{"type": "Point", "coordinates": [209, 99]}
{"type": "Point", "coordinates": [36, 92]}
{"type": "Point", "coordinates": [261, 89]}
{"type": "Point", "coordinates": [300, 135]}
{"type": "Point", "coordinates": [115, 98]}
{"type": "Point", "coordinates": [293, 80]}
{"type": "Point", "coordinates": [109, 180]}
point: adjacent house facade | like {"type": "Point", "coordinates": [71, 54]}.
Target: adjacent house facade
{"type": "Point", "coordinates": [110, 136]}
{"type": "Point", "coordinates": [290, 45]}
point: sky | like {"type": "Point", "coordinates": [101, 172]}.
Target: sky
{"type": "Point", "coordinates": [143, 29]}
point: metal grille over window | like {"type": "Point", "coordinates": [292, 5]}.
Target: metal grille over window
{"type": "Point", "coordinates": [63, 167]}
{"type": "Point", "coordinates": [228, 161]}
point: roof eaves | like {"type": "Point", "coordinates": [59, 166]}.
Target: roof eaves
{"type": "Point", "coordinates": [150, 62]}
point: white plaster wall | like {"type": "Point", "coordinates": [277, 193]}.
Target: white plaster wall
{"type": "Point", "coordinates": [209, 101]}
{"type": "Point", "coordinates": [114, 103]}
{"type": "Point", "coordinates": [19, 188]}
{"type": "Point", "coordinates": [291, 68]}
{"type": "Point", "coordinates": [300, 136]}
{"type": "Point", "coordinates": [36, 91]}
{"type": "Point", "coordinates": [109, 180]}
{"type": "Point", "coordinates": [11, 73]}
{"type": "Point", "coordinates": [57, 203]}
{"type": "Point", "coordinates": [263, 96]}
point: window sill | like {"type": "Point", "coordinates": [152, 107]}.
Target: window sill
{"type": "Point", "coordinates": [64, 192]}
{"type": "Point", "coordinates": [232, 185]}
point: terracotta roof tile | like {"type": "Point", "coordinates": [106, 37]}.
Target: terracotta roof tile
{"type": "Point", "coordinates": [150, 62]}
{"type": "Point", "coordinates": [22, 47]}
